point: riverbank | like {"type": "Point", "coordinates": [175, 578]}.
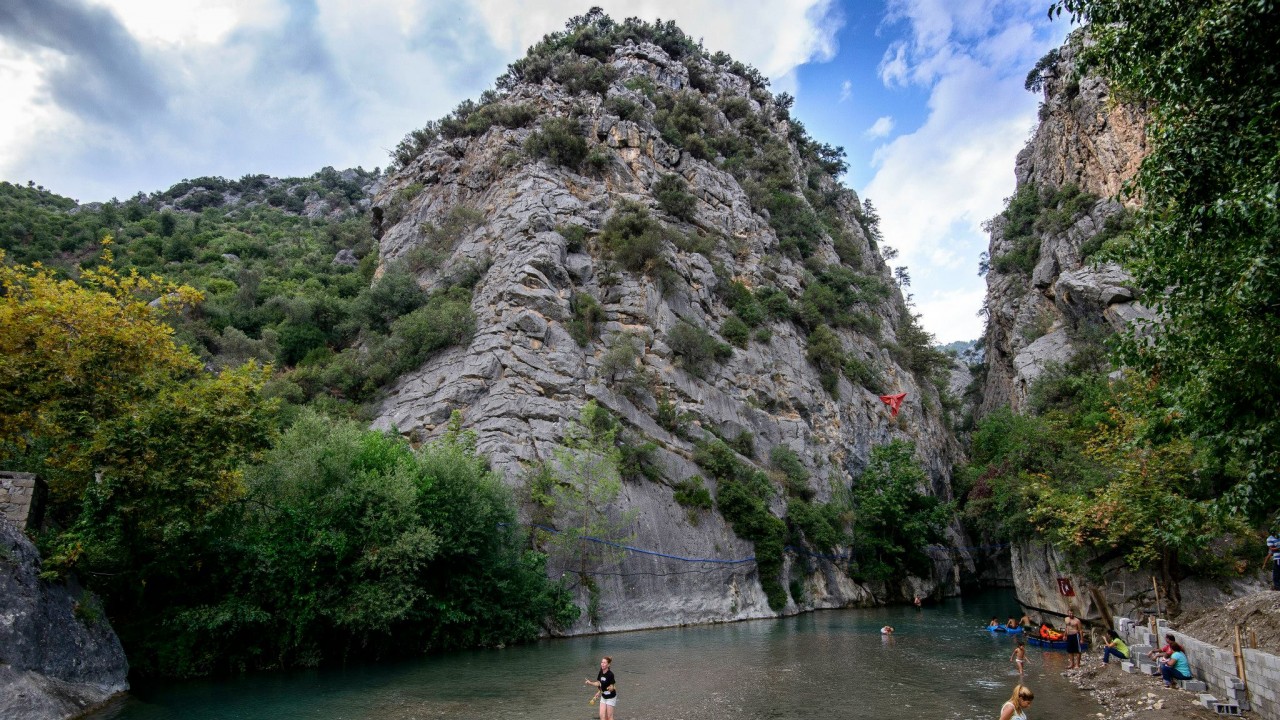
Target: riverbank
{"type": "Point", "coordinates": [1125, 696]}
{"type": "Point", "coordinates": [1133, 696]}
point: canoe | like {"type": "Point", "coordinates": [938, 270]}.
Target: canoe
{"type": "Point", "coordinates": [1052, 644]}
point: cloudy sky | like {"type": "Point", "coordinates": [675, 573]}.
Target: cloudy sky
{"type": "Point", "coordinates": [107, 98]}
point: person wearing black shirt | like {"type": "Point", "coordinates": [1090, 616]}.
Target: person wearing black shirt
{"type": "Point", "coordinates": [608, 693]}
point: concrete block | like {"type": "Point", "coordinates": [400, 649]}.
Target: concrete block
{"type": "Point", "coordinates": [1193, 685]}
{"type": "Point", "coordinates": [1149, 669]}
{"type": "Point", "coordinates": [1127, 666]}
{"type": "Point", "coordinates": [1207, 700]}
{"type": "Point", "coordinates": [1226, 708]}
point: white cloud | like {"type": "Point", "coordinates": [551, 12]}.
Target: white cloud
{"type": "Point", "coordinates": [934, 187]}
{"type": "Point", "coordinates": [953, 314]}
{"type": "Point", "coordinates": [138, 94]}
{"type": "Point", "coordinates": [776, 36]}
{"type": "Point", "coordinates": [880, 128]}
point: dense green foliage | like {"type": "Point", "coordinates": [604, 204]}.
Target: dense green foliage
{"type": "Point", "coordinates": [348, 544]}
{"type": "Point", "coordinates": [1205, 249]}
{"type": "Point", "coordinates": [343, 545]}
{"type": "Point", "coordinates": [272, 291]}
{"type": "Point", "coordinates": [742, 497]}
{"type": "Point", "coordinates": [894, 519]}
{"type": "Point", "coordinates": [1032, 213]}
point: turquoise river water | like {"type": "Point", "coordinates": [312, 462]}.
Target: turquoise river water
{"type": "Point", "coordinates": [834, 664]}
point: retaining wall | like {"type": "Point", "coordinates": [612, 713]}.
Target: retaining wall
{"type": "Point", "coordinates": [1217, 668]}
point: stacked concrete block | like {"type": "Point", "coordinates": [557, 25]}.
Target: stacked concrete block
{"type": "Point", "coordinates": [18, 499]}
{"type": "Point", "coordinates": [1214, 671]}
{"type": "Point", "coordinates": [1195, 686]}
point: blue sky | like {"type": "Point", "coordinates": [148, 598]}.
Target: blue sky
{"type": "Point", "coordinates": [111, 97]}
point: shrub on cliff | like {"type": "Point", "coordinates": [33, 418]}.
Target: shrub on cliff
{"type": "Point", "coordinates": [559, 141]}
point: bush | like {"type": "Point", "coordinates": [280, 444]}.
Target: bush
{"type": "Point", "coordinates": [559, 141]}
{"type": "Point", "coordinates": [742, 496]}
{"type": "Point", "coordinates": [672, 193]}
{"type": "Point", "coordinates": [445, 320]}
{"type": "Point", "coordinates": [635, 239]}
{"type": "Point", "coordinates": [696, 348]}
{"type": "Point", "coordinates": [690, 493]}
{"type": "Point", "coordinates": [587, 313]}
{"type": "Point", "coordinates": [826, 353]}
{"type": "Point", "coordinates": [625, 108]}
{"type": "Point", "coordinates": [736, 331]}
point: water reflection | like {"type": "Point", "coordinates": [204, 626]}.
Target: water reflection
{"type": "Point", "coordinates": [939, 663]}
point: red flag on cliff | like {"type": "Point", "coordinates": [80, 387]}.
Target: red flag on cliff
{"type": "Point", "coordinates": [894, 402]}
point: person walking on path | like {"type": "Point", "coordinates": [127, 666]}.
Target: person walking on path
{"type": "Point", "coordinates": [607, 685]}
{"type": "Point", "coordinates": [1075, 637]}
{"type": "Point", "coordinates": [1016, 707]}
{"type": "Point", "coordinates": [1273, 558]}
{"type": "Point", "coordinates": [1115, 646]}
{"type": "Point", "coordinates": [1019, 656]}
{"type": "Point", "coordinates": [1175, 667]}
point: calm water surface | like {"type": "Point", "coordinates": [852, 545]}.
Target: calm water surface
{"type": "Point", "coordinates": [833, 664]}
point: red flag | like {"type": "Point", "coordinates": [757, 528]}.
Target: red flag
{"type": "Point", "coordinates": [894, 402]}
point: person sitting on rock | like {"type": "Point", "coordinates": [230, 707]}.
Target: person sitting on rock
{"type": "Point", "coordinates": [1175, 667]}
{"type": "Point", "coordinates": [1115, 647]}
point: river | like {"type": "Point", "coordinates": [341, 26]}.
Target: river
{"type": "Point", "coordinates": [939, 663]}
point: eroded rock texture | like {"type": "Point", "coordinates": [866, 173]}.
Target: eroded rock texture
{"type": "Point", "coordinates": [523, 378]}
{"type": "Point", "coordinates": [58, 655]}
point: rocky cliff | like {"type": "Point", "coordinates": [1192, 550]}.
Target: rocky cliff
{"type": "Point", "coordinates": [1050, 302]}
{"type": "Point", "coordinates": [539, 194]}
{"type": "Point", "coordinates": [58, 655]}
{"type": "Point", "coordinates": [1047, 298]}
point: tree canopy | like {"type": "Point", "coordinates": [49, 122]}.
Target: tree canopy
{"type": "Point", "coordinates": [1205, 253]}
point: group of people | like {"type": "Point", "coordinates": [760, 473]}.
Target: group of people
{"type": "Point", "coordinates": [1171, 657]}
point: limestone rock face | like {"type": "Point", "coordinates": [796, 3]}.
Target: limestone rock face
{"type": "Point", "coordinates": [58, 655]}
{"type": "Point", "coordinates": [1090, 142]}
{"type": "Point", "coordinates": [523, 378]}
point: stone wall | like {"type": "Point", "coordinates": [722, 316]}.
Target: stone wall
{"type": "Point", "coordinates": [18, 499]}
{"type": "Point", "coordinates": [1216, 667]}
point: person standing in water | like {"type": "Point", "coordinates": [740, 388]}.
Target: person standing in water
{"type": "Point", "coordinates": [605, 683]}
{"type": "Point", "coordinates": [1075, 634]}
{"type": "Point", "coordinates": [1019, 656]}
{"type": "Point", "coordinates": [1016, 707]}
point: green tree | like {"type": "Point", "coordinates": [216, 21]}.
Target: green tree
{"type": "Point", "coordinates": [1204, 252]}
{"type": "Point", "coordinates": [577, 490]}
{"type": "Point", "coordinates": [894, 520]}
{"type": "Point", "coordinates": [349, 544]}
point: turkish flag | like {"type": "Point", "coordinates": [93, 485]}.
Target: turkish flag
{"type": "Point", "coordinates": [1064, 587]}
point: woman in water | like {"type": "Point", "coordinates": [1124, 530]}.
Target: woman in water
{"type": "Point", "coordinates": [1016, 707]}
{"type": "Point", "coordinates": [605, 683]}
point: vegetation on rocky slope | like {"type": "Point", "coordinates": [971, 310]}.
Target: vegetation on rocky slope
{"type": "Point", "coordinates": [208, 479]}
{"type": "Point", "coordinates": [1171, 468]}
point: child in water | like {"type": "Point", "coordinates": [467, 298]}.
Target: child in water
{"type": "Point", "coordinates": [1019, 656]}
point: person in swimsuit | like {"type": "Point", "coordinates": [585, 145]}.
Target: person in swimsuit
{"type": "Point", "coordinates": [1075, 631]}
{"type": "Point", "coordinates": [1016, 707]}
{"type": "Point", "coordinates": [606, 684]}
{"type": "Point", "coordinates": [1019, 656]}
